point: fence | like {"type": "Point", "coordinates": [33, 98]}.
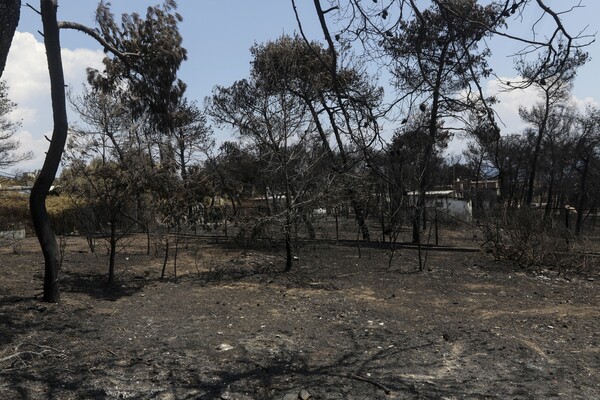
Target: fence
{"type": "Point", "coordinates": [246, 224]}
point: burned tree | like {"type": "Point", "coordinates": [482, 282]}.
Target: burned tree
{"type": "Point", "coordinates": [149, 59]}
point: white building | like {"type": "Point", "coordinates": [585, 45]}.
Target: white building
{"type": "Point", "coordinates": [445, 202]}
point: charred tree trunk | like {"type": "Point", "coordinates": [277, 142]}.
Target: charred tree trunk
{"type": "Point", "coordinates": [10, 12]}
{"type": "Point", "coordinates": [416, 226]}
{"type": "Point", "coordinates": [550, 196]}
{"type": "Point", "coordinates": [177, 237]}
{"type": "Point", "coordinates": [536, 153]}
{"type": "Point", "coordinates": [166, 259]}
{"type": "Point", "coordinates": [359, 211]}
{"type": "Point", "coordinates": [41, 187]}
{"type": "Point", "coordinates": [113, 251]}
{"type": "Point", "coordinates": [310, 229]}
{"type": "Point", "coordinates": [581, 198]}
{"type": "Point", "coordinates": [432, 132]}
{"type": "Point", "coordinates": [288, 243]}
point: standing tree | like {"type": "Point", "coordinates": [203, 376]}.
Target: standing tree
{"type": "Point", "coordinates": [555, 155]}
{"type": "Point", "coordinates": [341, 100]}
{"type": "Point", "coordinates": [279, 124]}
{"type": "Point", "coordinates": [555, 88]}
{"type": "Point", "coordinates": [10, 12]}
{"type": "Point", "coordinates": [105, 170]}
{"type": "Point", "coordinates": [482, 150]}
{"type": "Point", "coordinates": [190, 138]}
{"type": "Point", "coordinates": [586, 160]}
{"type": "Point", "coordinates": [438, 64]}
{"type": "Point", "coordinates": [419, 154]}
{"type": "Point", "coordinates": [8, 145]}
{"type": "Point", "coordinates": [149, 52]}
{"type": "Point", "coordinates": [41, 187]}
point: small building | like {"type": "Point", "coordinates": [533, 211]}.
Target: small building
{"type": "Point", "coordinates": [445, 202]}
{"type": "Point", "coordinates": [464, 186]}
{"type": "Point", "coordinates": [483, 194]}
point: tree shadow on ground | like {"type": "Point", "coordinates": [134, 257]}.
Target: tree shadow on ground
{"type": "Point", "coordinates": [49, 385]}
{"type": "Point", "coordinates": [12, 321]}
{"type": "Point", "coordinates": [372, 377]}
{"type": "Point", "coordinates": [351, 374]}
{"type": "Point", "coordinates": [97, 287]}
{"type": "Point", "coordinates": [257, 379]}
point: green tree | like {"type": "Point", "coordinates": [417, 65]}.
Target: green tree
{"type": "Point", "coordinates": [10, 13]}
{"type": "Point", "coordinates": [8, 145]}
{"type": "Point", "coordinates": [149, 53]}
{"type": "Point", "coordinates": [106, 170]}
{"type": "Point", "coordinates": [150, 59]}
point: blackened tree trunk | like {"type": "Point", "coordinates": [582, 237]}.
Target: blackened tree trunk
{"type": "Point", "coordinates": [41, 187]}
{"type": "Point", "coordinates": [166, 259]}
{"type": "Point", "coordinates": [416, 226]}
{"type": "Point", "coordinates": [360, 212]}
{"type": "Point", "coordinates": [10, 12]}
{"type": "Point", "coordinates": [288, 242]}
{"type": "Point", "coordinates": [113, 250]}
{"type": "Point", "coordinates": [550, 196]}
{"type": "Point", "coordinates": [532, 171]}
{"type": "Point", "coordinates": [424, 173]}
{"type": "Point", "coordinates": [582, 196]}
{"type": "Point", "coordinates": [310, 229]}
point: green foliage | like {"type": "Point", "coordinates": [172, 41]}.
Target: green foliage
{"type": "Point", "coordinates": [437, 55]}
{"type": "Point", "coordinates": [307, 71]}
{"type": "Point", "coordinates": [151, 53]}
{"type": "Point", "coordinates": [8, 145]}
{"type": "Point", "coordinates": [289, 63]}
{"type": "Point", "coordinates": [14, 210]}
{"type": "Point", "coordinates": [408, 152]}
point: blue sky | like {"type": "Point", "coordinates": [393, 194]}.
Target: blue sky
{"type": "Point", "coordinates": [218, 35]}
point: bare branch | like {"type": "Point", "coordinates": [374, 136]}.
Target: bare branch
{"type": "Point", "coordinates": [33, 8]}
{"type": "Point", "coordinates": [94, 34]}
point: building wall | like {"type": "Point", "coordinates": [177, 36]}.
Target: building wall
{"type": "Point", "coordinates": [456, 208]}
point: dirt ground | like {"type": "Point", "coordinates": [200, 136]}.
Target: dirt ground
{"type": "Point", "coordinates": [232, 325]}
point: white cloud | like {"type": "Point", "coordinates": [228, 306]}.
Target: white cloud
{"type": "Point", "coordinates": [510, 102]}
{"type": "Point", "coordinates": [26, 74]}
{"type": "Point", "coordinates": [36, 145]}
{"type": "Point", "coordinates": [508, 108]}
{"type": "Point", "coordinates": [22, 114]}
{"type": "Point", "coordinates": [586, 102]}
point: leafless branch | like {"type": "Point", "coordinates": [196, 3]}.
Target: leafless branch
{"type": "Point", "coordinates": [94, 34]}
{"type": "Point", "coordinates": [33, 8]}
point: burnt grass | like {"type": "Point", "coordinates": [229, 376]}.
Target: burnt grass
{"type": "Point", "coordinates": [233, 325]}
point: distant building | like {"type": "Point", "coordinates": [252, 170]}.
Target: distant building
{"type": "Point", "coordinates": [483, 194]}
{"type": "Point", "coordinates": [464, 186]}
{"type": "Point", "coordinates": [445, 202]}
